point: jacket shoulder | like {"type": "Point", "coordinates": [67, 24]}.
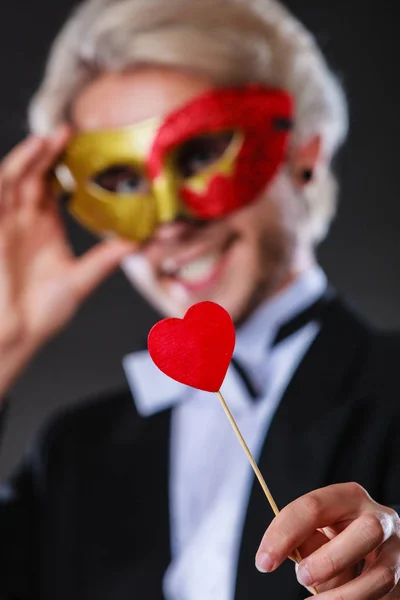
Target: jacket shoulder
{"type": "Point", "coordinates": [378, 358]}
{"type": "Point", "coordinates": [101, 420]}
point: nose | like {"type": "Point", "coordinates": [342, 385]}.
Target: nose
{"type": "Point", "coordinates": [167, 232]}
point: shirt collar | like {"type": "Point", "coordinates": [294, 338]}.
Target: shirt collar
{"type": "Point", "coordinates": [255, 336]}
{"type": "Point", "coordinates": [153, 391]}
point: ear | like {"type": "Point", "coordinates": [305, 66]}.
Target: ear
{"type": "Point", "coordinates": [304, 161]}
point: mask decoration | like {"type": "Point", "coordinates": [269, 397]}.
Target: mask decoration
{"type": "Point", "coordinates": [205, 160]}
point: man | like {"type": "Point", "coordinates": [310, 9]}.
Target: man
{"type": "Point", "coordinates": [149, 112]}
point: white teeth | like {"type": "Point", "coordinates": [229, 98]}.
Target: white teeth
{"type": "Point", "coordinates": [169, 266]}
{"type": "Point", "coordinates": [198, 270]}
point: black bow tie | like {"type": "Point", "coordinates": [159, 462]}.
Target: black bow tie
{"type": "Point", "coordinates": [314, 312]}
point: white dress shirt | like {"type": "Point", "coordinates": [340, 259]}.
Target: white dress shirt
{"type": "Point", "coordinates": [211, 478]}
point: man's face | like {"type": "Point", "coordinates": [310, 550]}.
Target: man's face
{"type": "Point", "coordinates": [236, 261]}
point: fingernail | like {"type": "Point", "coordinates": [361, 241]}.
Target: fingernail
{"type": "Point", "coordinates": [264, 562]}
{"type": "Point", "coordinates": [303, 576]}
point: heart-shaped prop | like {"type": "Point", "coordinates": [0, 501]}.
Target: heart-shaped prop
{"type": "Point", "coordinates": [197, 349]}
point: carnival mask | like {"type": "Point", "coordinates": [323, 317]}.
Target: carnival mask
{"type": "Point", "coordinates": [213, 156]}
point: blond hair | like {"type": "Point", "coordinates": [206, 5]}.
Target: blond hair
{"type": "Point", "coordinates": [230, 41]}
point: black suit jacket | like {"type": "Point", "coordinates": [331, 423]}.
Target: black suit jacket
{"type": "Point", "coordinates": [87, 516]}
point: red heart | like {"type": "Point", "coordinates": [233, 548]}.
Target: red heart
{"type": "Point", "coordinates": [197, 349]}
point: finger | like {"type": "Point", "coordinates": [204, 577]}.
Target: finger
{"type": "Point", "coordinates": [300, 519]}
{"type": "Point", "coordinates": [333, 583]}
{"type": "Point", "coordinates": [15, 166]}
{"type": "Point", "coordinates": [97, 264]}
{"type": "Point", "coordinates": [319, 540]}
{"type": "Point", "coordinates": [312, 544]}
{"type": "Point", "coordinates": [6, 279]}
{"type": "Point", "coordinates": [10, 321]}
{"type": "Point", "coordinates": [2, 203]}
{"type": "Point", "coordinates": [55, 145]}
{"type": "Point", "coordinates": [363, 536]}
{"type": "Point", "coordinates": [21, 156]}
{"type": "Point", "coordinates": [375, 583]}
{"type": "Point", "coordinates": [36, 186]}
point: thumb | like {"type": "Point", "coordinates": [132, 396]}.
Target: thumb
{"type": "Point", "coordinates": [97, 264]}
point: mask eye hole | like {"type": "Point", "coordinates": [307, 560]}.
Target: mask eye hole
{"type": "Point", "coordinates": [122, 179]}
{"type": "Point", "coordinates": [200, 152]}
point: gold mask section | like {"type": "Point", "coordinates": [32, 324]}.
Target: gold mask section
{"type": "Point", "coordinates": [130, 215]}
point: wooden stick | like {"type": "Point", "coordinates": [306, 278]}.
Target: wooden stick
{"type": "Point", "coordinates": [296, 555]}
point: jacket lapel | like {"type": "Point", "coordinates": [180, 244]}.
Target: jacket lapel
{"type": "Point", "coordinates": [128, 532]}
{"type": "Point", "coordinates": [301, 444]}
{"type": "Point", "coordinates": [152, 497]}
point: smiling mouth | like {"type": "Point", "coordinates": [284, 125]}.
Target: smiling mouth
{"type": "Point", "coordinates": [202, 271]}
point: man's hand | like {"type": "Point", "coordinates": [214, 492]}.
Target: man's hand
{"type": "Point", "coordinates": [349, 543]}
{"type": "Point", "coordinates": [42, 284]}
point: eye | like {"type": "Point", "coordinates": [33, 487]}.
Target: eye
{"type": "Point", "coordinates": [122, 179]}
{"type": "Point", "coordinates": [200, 152]}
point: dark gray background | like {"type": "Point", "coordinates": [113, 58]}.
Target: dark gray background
{"type": "Point", "coordinates": [361, 255]}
